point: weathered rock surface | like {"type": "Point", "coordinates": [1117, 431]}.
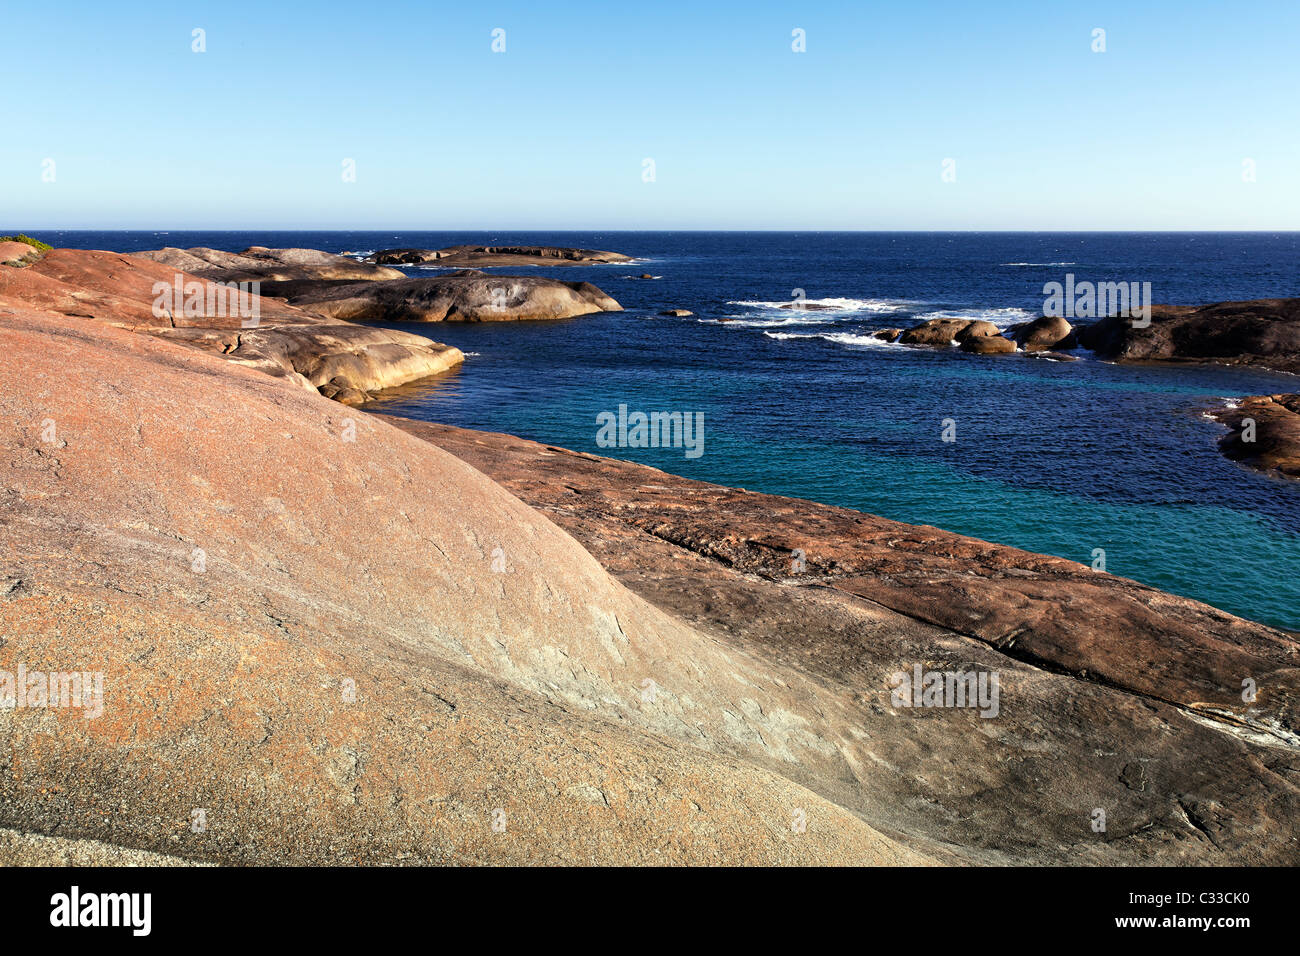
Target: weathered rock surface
{"type": "Point", "coordinates": [934, 332]}
{"type": "Point", "coordinates": [1104, 681]}
{"type": "Point", "coordinates": [17, 253]}
{"type": "Point", "coordinates": [677, 313]}
{"type": "Point", "coordinates": [1263, 332]}
{"type": "Point", "coordinates": [987, 345]}
{"type": "Point", "coordinates": [1273, 444]}
{"type": "Point", "coordinates": [450, 298]}
{"type": "Point", "coordinates": [347, 361]}
{"type": "Point", "coordinates": [1044, 334]}
{"type": "Point", "coordinates": [887, 335]}
{"type": "Point", "coordinates": [498, 256]}
{"type": "Point", "coordinates": [976, 329]}
{"type": "Point", "coordinates": [267, 265]}
{"type": "Point", "coordinates": [346, 646]}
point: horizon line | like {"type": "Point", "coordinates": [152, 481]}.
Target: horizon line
{"type": "Point", "coordinates": [245, 229]}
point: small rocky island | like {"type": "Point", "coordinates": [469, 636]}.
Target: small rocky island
{"type": "Point", "coordinates": [455, 257]}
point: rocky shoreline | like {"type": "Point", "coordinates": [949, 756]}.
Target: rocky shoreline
{"type": "Point", "coordinates": [349, 638]}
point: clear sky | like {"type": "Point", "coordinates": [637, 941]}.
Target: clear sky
{"type": "Point", "coordinates": [744, 133]}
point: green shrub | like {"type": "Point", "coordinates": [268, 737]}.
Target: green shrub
{"type": "Point", "coordinates": [34, 243]}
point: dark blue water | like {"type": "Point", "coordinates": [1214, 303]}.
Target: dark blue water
{"type": "Point", "coordinates": [1055, 457]}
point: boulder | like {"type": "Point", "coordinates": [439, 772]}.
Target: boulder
{"type": "Point", "coordinates": [987, 345]}
{"type": "Point", "coordinates": [1044, 334]}
{"type": "Point", "coordinates": [934, 332]}
{"type": "Point", "coordinates": [678, 313]}
{"type": "Point", "coordinates": [976, 329]}
{"type": "Point", "coordinates": [887, 335]}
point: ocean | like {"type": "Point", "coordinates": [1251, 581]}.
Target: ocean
{"type": "Point", "coordinates": [1063, 458]}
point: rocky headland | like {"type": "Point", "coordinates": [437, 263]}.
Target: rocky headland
{"type": "Point", "coordinates": [348, 638]}
{"type": "Point", "coordinates": [341, 360]}
{"type": "Point", "coordinates": [268, 265]}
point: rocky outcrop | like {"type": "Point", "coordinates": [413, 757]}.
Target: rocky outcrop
{"type": "Point", "coordinates": [1115, 697]}
{"type": "Point", "coordinates": [934, 332]}
{"type": "Point", "coordinates": [348, 362]}
{"type": "Point", "coordinates": [1263, 333]}
{"type": "Point", "coordinates": [976, 329]}
{"type": "Point", "coordinates": [17, 253]}
{"type": "Point", "coordinates": [268, 265]}
{"type": "Point", "coordinates": [1265, 433]}
{"type": "Point", "coordinates": [331, 642]}
{"type": "Point", "coordinates": [479, 256]}
{"type": "Point", "coordinates": [677, 313]}
{"type": "Point", "coordinates": [939, 332]}
{"type": "Point", "coordinates": [450, 298]}
{"type": "Point", "coordinates": [351, 639]}
{"type": "Point", "coordinates": [1044, 334]}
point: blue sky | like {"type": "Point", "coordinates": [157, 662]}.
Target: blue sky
{"type": "Point", "coordinates": [744, 133]}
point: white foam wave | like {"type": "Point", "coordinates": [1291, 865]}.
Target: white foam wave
{"type": "Point", "coordinates": [999, 317]}
{"type": "Point", "coordinates": [1040, 263]}
{"type": "Point", "coordinates": [834, 304]}
{"type": "Point", "coordinates": [840, 338]}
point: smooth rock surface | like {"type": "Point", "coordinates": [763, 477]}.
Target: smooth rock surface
{"type": "Point", "coordinates": [987, 345]}
{"type": "Point", "coordinates": [268, 265]}
{"type": "Point", "coordinates": [450, 298]}
{"type": "Point", "coordinates": [934, 332]}
{"type": "Point", "coordinates": [1263, 333]}
{"type": "Point", "coordinates": [347, 646]}
{"type": "Point", "coordinates": [1044, 334]}
{"type": "Point", "coordinates": [1104, 680]}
